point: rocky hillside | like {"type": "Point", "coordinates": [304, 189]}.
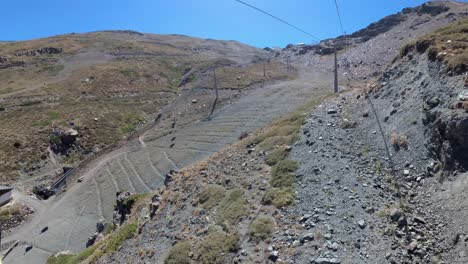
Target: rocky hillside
{"type": "Point", "coordinates": [319, 185]}
{"type": "Point", "coordinates": [73, 95]}
{"type": "Point", "coordinates": [367, 52]}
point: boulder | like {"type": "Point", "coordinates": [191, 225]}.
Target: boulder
{"type": "Point", "coordinates": [69, 137]}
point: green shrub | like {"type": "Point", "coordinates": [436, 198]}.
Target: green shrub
{"type": "Point", "coordinates": [276, 156]}
{"type": "Point", "coordinates": [179, 254]}
{"type": "Point", "coordinates": [261, 228]}
{"type": "Point", "coordinates": [231, 208]}
{"type": "Point", "coordinates": [279, 197]}
{"type": "Point", "coordinates": [211, 196]}
{"type": "Point", "coordinates": [214, 248]}
{"type": "Point", "coordinates": [281, 175]}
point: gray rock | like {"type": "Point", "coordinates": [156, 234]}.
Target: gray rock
{"type": "Point", "coordinates": [327, 261]}
{"type": "Point", "coordinates": [332, 111]}
{"type": "Point", "coordinates": [307, 237]}
{"type": "Point", "coordinates": [419, 220]}
{"type": "Point", "coordinates": [463, 95]}
{"type": "Point", "coordinates": [332, 246]}
{"type": "Point", "coordinates": [395, 214]}
{"type": "Point", "coordinates": [402, 222]}
{"type": "Point", "coordinates": [362, 224]}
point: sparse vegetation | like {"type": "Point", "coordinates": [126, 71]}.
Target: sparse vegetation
{"type": "Point", "coordinates": [261, 228]}
{"type": "Point", "coordinates": [179, 254]}
{"type": "Point", "coordinates": [215, 246]}
{"type": "Point", "coordinates": [347, 123]}
{"type": "Point", "coordinates": [275, 139]}
{"type": "Point", "coordinates": [7, 212]}
{"type": "Point", "coordinates": [447, 44]}
{"type": "Point", "coordinates": [51, 69]}
{"type": "Point", "coordinates": [134, 198]}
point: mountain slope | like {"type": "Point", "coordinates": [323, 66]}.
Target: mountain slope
{"type": "Point", "coordinates": [350, 205]}
{"type": "Point", "coordinates": [107, 84]}
{"type": "Point", "coordinates": [367, 52]}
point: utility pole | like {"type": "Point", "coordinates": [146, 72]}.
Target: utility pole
{"type": "Point", "coordinates": [216, 90]}
{"type": "Point", "coordinates": [264, 74]}
{"type": "Point", "coordinates": [264, 70]}
{"type": "Point", "coordinates": [336, 72]}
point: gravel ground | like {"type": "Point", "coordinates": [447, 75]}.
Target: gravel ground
{"type": "Point", "coordinates": [348, 199]}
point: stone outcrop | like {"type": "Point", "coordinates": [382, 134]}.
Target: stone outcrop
{"type": "Point", "coordinates": [40, 51]}
{"type": "Point", "coordinates": [449, 139]}
{"type": "Point", "coordinates": [122, 208]}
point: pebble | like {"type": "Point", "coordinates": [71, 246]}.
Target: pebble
{"type": "Point", "coordinates": [362, 224]}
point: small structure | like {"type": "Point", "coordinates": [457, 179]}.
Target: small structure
{"type": "Point", "coordinates": [5, 194]}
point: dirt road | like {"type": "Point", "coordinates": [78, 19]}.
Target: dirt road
{"type": "Point", "coordinates": [141, 165]}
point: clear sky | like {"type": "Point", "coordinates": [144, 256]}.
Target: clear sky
{"type": "Point", "coordinates": [217, 19]}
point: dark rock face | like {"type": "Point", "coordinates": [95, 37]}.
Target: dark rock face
{"type": "Point", "coordinates": [431, 9]}
{"type": "Point", "coordinates": [449, 138]}
{"type": "Point", "coordinates": [379, 27]}
{"type": "Point", "coordinates": [101, 226]}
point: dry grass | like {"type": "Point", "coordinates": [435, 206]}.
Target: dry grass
{"type": "Point", "coordinates": [241, 77]}
{"type": "Point", "coordinates": [447, 44]}
{"type": "Point", "coordinates": [8, 211]}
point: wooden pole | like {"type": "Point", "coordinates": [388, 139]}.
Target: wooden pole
{"type": "Point", "coordinates": [264, 74]}
{"type": "Point", "coordinates": [216, 90]}
{"type": "Point", "coordinates": [264, 70]}
{"type": "Point", "coordinates": [336, 73]}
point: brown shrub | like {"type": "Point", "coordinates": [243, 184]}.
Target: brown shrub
{"type": "Point", "coordinates": [399, 141]}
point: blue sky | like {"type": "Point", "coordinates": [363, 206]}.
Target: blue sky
{"type": "Point", "coordinates": [217, 19]}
